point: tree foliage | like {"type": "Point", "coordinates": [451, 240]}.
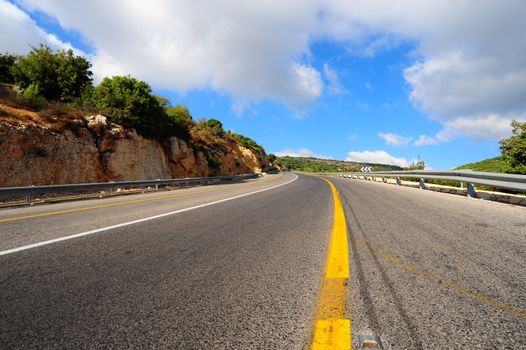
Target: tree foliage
{"type": "Point", "coordinates": [130, 102]}
{"type": "Point", "coordinates": [216, 126]}
{"type": "Point", "coordinates": [7, 62]}
{"type": "Point", "coordinates": [514, 148]}
{"type": "Point", "coordinates": [59, 76]}
{"type": "Point", "coordinates": [316, 165]}
{"type": "Point", "coordinates": [180, 116]}
{"type": "Point", "coordinates": [246, 142]}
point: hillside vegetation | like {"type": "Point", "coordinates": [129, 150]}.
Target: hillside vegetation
{"type": "Point", "coordinates": [494, 165]}
{"type": "Point", "coordinates": [513, 158]}
{"type": "Point", "coordinates": [317, 165]}
{"type": "Point", "coordinates": [54, 86]}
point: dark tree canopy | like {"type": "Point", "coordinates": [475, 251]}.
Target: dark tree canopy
{"type": "Point", "coordinates": [514, 148]}
{"type": "Point", "coordinates": [130, 102]}
{"type": "Point", "coordinates": [216, 126]}
{"type": "Point", "coordinates": [7, 62]}
{"type": "Point", "coordinates": [59, 76]}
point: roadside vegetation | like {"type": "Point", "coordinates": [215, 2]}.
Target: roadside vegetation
{"type": "Point", "coordinates": [59, 83]}
{"type": "Point", "coordinates": [316, 165]}
{"type": "Point", "coordinates": [513, 158]}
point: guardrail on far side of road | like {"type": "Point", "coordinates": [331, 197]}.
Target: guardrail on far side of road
{"type": "Point", "coordinates": [111, 187]}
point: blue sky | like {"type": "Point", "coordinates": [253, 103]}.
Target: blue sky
{"type": "Point", "coordinates": [346, 81]}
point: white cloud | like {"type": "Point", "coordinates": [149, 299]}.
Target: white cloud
{"type": "Point", "coordinates": [251, 51]}
{"type": "Point", "coordinates": [353, 137]}
{"type": "Point", "coordinates": [426, 140]}
{"type": "Point", "coordinates": [490, 127]}
{"type": "Point", "coordinates": [394, 139]}
{"type": "Point", "coordinates": [18, 32]}
{"type": "Point", "coordinates": [239, 107]}
{"type": "Point", "coordinates": [468, 62]}
{"type": "Point", "coordinates": [335, 87]}
{"type": "Point", "coordinates": [377, 157]}
{"type": "Point", "coordinates": [302, 152]}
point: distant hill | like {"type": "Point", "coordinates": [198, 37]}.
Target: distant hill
{"type": "Point", "coordinates": [317, 165]}
{"type": "Point", "coordinates": [494, 165]}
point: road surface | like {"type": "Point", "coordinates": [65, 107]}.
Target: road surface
{"type": "Point", "coordinates": [242, 266]}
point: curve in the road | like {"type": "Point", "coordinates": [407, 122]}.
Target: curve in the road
{"type": "Point", "coordinates": [108, 228]}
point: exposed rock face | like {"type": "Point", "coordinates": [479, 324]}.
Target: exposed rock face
{"type": "Point", "coordinates": [90, 151]}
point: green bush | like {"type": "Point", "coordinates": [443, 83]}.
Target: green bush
{"type": "Point", "coordinates": [31, 99]}
{"type": "Point", "coordinates": [181, 119]}
{"type": "Point", "coordinates": [514, 148]}
{"type": "Point", "coordinates": [130, 102]}
{"type": "Point", "coordinates": [216, 126]}
{"type": "Point", "coordinates": [7, 62]}
{"type": "Point", "coordinates": [59, 76]}
{"type": "Point", "coordinates": [246, 142]}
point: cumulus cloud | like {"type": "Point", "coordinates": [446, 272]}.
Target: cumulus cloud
{"type": "Point", "coordinates": [490, 127]}
{"type": "Point", "coordinates": [394, 139]}
{"type": "Point", "coordinates": [377, 157]}
{"type": "Point", "coordinates": [239, 107]}
{"type": "Point", "coordinates": [252, 51]}
{"type": "Point", "coordinates": [302, 152]}
{"type": "Point", "coordinates": [18, 32]}
{"type": "Point", "coordinates": [468, 65]}
{"type": "Point", "coordinates": [334, 87]}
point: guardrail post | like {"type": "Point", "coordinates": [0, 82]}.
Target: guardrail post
{"type": "Point", "coordinates": [111, 188]}
{"type": "Point", "coordinates": [461, 184]}
{"type": "Point", "coordinates": [471, 190]}
{"type": "Point", "coordinates": [398, 182]}
{"type": "Point", "coordinates": [29, 197]}
{"type": "Point", "coordinates": [383, 179]}
{"type": "Point", "coordinates": [157, 185]}
{"type": "Point", "coordinates": [422, 185]}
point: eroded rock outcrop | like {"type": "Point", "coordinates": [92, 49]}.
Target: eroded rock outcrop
{"type": "Point", "coordinates": [90, 150]}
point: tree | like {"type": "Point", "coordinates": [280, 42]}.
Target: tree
{"type": "Point", "coordinates": [420, 165]}
{"type": "Point", "coordinates": [216, 126]}
{"type": "Point", "coordinates": [130, 102]}
{"type": "Point", "coordinates": [7, 62]}
{"type": "Point", "coordinates": [246, 142]}
{"type": "Point", "coordinates": [514, 148]}
{"type": "Point", "coordinates": [59, 76]}
{"type": "Point", "coordinates": [180, 116]}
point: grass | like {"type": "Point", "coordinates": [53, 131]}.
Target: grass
{"type": "Point", "coordinates": [493, 165]}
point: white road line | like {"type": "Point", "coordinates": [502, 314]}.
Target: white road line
{"type": "Point", "coordinates": [108, 228]}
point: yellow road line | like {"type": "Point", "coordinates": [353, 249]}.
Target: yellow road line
{"type": "Point", "coordinates": [115, 204]}
{"type": "Point", "coordinates": [449, 283]}
{"type": "Point", "coordinates": [333, 326]}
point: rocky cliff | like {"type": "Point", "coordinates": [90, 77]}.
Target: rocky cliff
{"type": "Point", "coordinates": [36, 151]}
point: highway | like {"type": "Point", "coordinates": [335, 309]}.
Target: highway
{"type": "Point", "coordinates": [248, 266]}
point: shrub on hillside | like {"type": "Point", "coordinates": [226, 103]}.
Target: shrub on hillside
{"type": "Point", "coordinates": [7, 62]}
{"type": "Point", "coordinates": [514, 148]}
{"type": "Point", "coordinates": [130, 102]}
{"type": "Point", "coordinates": [246, 142]}
{"type": "Point", "coordinates": [181, 119]}
{"type": "Point", "coordinates": [216, 126]}
{"type": "Point", "coordinates": [59, 76]}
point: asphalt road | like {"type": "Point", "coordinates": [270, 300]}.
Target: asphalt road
{"type": "Point", "coordinates": [427, 270]}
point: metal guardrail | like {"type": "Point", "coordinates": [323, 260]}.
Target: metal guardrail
{"type": "Point", "coordinates": [30, 191]}
{"type": "Point", "coordinates": [496, 180]}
